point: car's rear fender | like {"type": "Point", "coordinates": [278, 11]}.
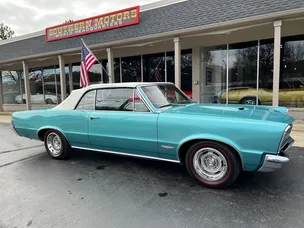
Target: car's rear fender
{"type": "Point", "coordinates": [41, 131]}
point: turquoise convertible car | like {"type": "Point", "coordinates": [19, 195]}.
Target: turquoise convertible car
{"type": "Point", "coordinates": [158, 121]}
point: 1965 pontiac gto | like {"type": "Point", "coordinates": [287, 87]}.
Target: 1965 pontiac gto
{"type": "Point", "coordinates": [158, 121]}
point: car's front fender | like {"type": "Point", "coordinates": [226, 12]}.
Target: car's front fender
{"type": "Point", "coordinates": [211, 137]}
{"type": "Point", "coordinates": [250, 159]}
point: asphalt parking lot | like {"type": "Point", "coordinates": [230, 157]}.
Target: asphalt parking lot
{"type": "Point", "coordinates": [100, 190]}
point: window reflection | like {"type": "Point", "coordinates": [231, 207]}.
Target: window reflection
{"type": "Point", "coordinates": [154, 67]}
{"type": "Point", "coordinates": [213, 81]}
{"type": "Point", "coordinates": [243, 73]}
{"type": "Point", "coordinates": [106, 70]}
{"type": "Point", "coordinates": [95, 74]}
{"type": "Point", "coordinates": [170, 67]}
{"type": "Point", "coordinates": [131, 69]}
{"type": "Point", "coordinates": [76, 75]}
{"type": "Point", "coordinates": [186, 70]}
{"type": "Point", "coordinates": [44, 85]}
{"type": "Point", "coordinates": [266, 72]}
{"type": "Point", "coordinates": [13, 86]}
{"type": "Point", "coordinates": [292, 72]}
{"type": "Point", "coordinates": [116, 70]}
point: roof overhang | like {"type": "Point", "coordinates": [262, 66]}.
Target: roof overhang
{"type": "Point", "coordinates": [211, 29]}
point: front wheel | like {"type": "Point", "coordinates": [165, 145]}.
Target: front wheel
{"type": "Point", "coordinates": [212, 164]}
{"type": "Point", "coordinates": [56, 145]}
{"type": "Point", "coordinates": [49, 101]}
{"type": "Point", "coordinates": [250, 101]}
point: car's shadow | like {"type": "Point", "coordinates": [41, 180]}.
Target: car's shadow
{"type": "Point", "coordinates": [176, 175]}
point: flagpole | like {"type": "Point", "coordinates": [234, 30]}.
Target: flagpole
{"type": "Point", "coordinates": [102, 68]}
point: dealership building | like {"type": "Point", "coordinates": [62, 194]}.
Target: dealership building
{"type": "Point", "coordinates": [237, 51]}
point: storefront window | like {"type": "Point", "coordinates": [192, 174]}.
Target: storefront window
{"type": "Point", "coordinates": [51, 82]}
{"type": "Point", "coordinates": [214, 71]}
{"type": "Point", "coordinates": [242, 74]}
{"type": "Point", "coordinates": [131, 69]}
{"type": "Point", "coordinates": [170, 67]}
{"type": "Point", "coordinates": [106, 70]}
{"type": "Point", "coordinates": [154, 67]}
{"type": "Point", "coordinates": [266, 72]}
{"type": "Point", "coordinates": [13, 87]}
{"type": "Point", "coordinates": [45, 85]}
{"type": "Point", "coordinates": [76, 75]}
{"type": "Point", "coordinates": [292, 72]}
{"type": "Point", "coordinates": [117, 70]}
{"type": "Point", "coordinates": [95, 74]}
{"type": "Point", "coordinates": [186, 72]}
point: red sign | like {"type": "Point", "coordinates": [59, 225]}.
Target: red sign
{"type": "Point", "coordinates": [99, 23]}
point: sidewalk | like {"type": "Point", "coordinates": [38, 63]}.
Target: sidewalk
{"type": "Point", "coordinates": [5, 117]}
{"type": "Point", "coordinates": [297, 132]}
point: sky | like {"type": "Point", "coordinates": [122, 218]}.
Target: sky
{"type": "Point", "coordinates": [27, 16]}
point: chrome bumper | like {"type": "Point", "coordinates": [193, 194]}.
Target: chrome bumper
{"type": "Point", "coordinates": [273, 162]}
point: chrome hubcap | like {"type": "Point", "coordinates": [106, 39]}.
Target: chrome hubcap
{"type": "Point", "coordinates": [54, 144]}
{"type": "Point", "coordinates": [250, 102]}
{"type": "Point", "coordinates": [210, 164]}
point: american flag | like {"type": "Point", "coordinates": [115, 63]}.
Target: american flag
{"type": "Point", "coordinates": [87, 61]}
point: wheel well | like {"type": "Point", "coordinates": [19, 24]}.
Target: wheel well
{"type": "Point", "coordinates": [259, 101]}
{"type": "Point", "coordinates": [42, 132]}
{"type": "Point", "coordinates": [184, 148]}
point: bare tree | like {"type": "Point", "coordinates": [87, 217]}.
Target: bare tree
{"type": "Point", "coordinates": [5, 32]}
{"type": "Point", "coordinates": [67, 21]}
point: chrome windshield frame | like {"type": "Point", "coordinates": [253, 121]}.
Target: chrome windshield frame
{"type": "Point", "coordinates": [148, 102]}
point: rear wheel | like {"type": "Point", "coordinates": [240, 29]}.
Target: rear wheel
{"type": "Point", "coordinates": [49, 101]}
{"type": "Point", "coordinates": [212, 164]}
{"type": "Point", "coordinates": [250, 101]}
{"type": "Point", "coordinates": [56, 145]}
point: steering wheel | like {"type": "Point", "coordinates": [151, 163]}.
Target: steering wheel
{"type": "Point", "coordinates": [122, 107]}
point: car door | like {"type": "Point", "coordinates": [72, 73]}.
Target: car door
{"type": "Point", "coordinates": [122, 124]}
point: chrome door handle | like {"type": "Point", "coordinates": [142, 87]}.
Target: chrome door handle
{"type": "Point", "coordinates": [93, 118]}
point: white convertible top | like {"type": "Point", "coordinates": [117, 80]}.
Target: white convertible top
{"type": "Point", "coordinates": [71, 101]}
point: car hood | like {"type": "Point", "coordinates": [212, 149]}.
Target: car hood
{"type": "Point", "coordinates": [266, 113]}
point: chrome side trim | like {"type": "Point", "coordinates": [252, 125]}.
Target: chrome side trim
{"type": "Point", "coordinates": [125, 154]}
{"type": "Point", "coordinates": [133, 105]}
{"type": "Point", "coordinates": [273, 162]}
{"type": "Point", "coordinates": [167, 147]}
{"type": "Point", "coordinates": [95, 96]}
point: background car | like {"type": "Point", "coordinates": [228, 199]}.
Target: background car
{"type": "Point", "coordinates": [292, 92]}
{"type": "Point", "coordinates": [39, 99]}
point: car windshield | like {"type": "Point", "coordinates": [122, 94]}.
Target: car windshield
{"type": "Point", "coordinates": [165, 95]}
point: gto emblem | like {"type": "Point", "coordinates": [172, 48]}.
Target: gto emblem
{"type": "Point", "coordinates": [167, 147]}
